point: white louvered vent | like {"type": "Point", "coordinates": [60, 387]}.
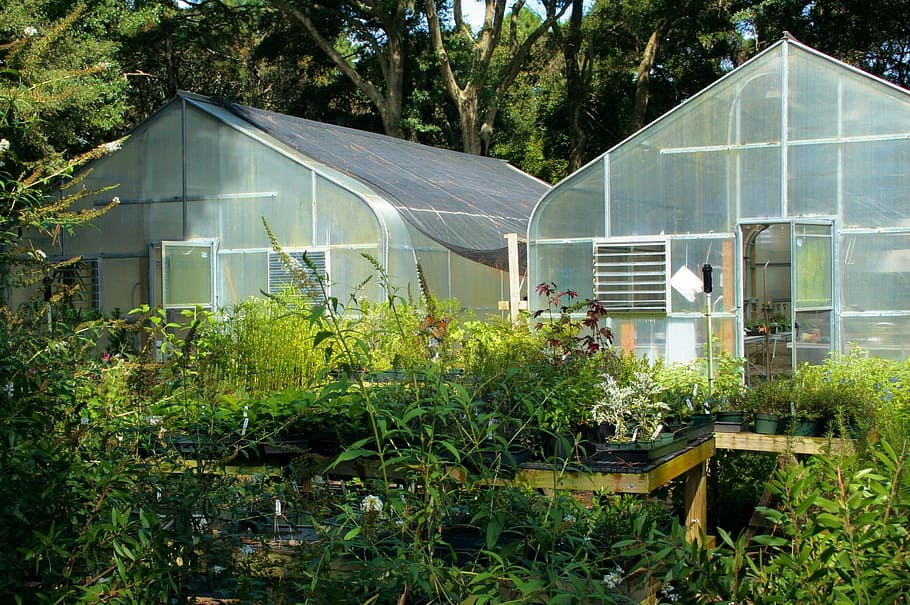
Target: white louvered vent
{"type": "Point", "coordinates": [281, 280]}
{"type": "Point", "coordinates": [631, 277]}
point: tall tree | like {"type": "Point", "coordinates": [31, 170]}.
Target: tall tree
{"type": "Point", "coordinates": [61, 95]}
{"type": "Point", "coordinates": [483, 83]}
{"type": "Point", "coordinates": [578, 72]}
{"type": "Point", "coordinates": [370, 28]}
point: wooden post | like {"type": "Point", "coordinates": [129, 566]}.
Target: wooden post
{"type": "Point", "coordinates": [696, 502]}
{"type": "Point", "coordinates": [514, 277]}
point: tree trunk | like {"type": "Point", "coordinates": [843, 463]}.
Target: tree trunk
{"type": "Point", "coordinates": [643, 83]}
{"type": "Point", "coordinates": [578, 82]}
{"type": "Point", "coordinates": [392, 58]}
{"type": "Point", "coordinates": [477, 131]}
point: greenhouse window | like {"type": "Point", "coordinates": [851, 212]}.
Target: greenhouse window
{"type": "Point", "coordinates": [281, 279]}
{"type": "Point", "coordinates": [631, 276]}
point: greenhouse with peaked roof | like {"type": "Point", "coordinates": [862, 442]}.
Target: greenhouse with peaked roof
{"type": "Point", "coordinates": [789, 178]}
{"type": "Point", "coordinates": [196, 180]}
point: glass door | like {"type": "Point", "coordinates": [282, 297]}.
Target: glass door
{"type": "Point", "coordinates": [812, 250]}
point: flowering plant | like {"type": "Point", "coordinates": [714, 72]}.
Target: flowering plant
{"type": "Point", "coordinates": [633, 409]}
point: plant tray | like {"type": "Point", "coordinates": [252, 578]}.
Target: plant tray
{"type": "Point", "coordinates": [695, 432]}
{"type": "Point", "coordinates": [638, 451]}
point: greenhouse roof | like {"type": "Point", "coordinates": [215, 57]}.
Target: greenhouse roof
{"type": "Point", "coordinates": [465, 202]}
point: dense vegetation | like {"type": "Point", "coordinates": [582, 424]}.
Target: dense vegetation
{"type": "Point", "coordinates": [141, 474]}
{"type": "Point", "coordinates": [136, 473]}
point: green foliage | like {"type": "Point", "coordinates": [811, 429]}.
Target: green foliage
{"type": "Point", "coordinates": [870, 392]}
{"type": "Point", "coordinates": [686, 387]}
{"type": "Point", "coordinates": [59, 97]}
{"type": "Point", "coordinates": [839, 537]}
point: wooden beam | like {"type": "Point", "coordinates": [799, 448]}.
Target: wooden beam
{"type": "Point", "coordinates": [631, 482]}
{"type": "Point", "coordinates": [696, 502]}
{"type": "Point", "coordinates": [756, 442]}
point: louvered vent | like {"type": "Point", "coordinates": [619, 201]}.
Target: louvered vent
{"type": "Point", "coordinates": [282, 280]}
{"type": "Point", "coordinates": [84, 277]}
{"type": "Point", "coordinates": [631, 277]}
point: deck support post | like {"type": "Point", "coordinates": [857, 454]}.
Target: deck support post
{"type": "Point", "coordinates": [696, 502]}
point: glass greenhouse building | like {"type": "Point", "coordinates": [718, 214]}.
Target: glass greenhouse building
{"type": "Point", "coordinates": [790, 177]}
{"type": "Point", "coordinates": [196, 180]}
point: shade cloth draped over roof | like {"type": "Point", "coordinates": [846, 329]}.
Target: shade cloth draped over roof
{"type": "Point", "coordinates": [466, 203]}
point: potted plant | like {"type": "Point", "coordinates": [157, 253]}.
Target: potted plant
{"type": "Point", "coordinates": [634, 417]}
{"type": "Point", "coordinates": [767, 402]}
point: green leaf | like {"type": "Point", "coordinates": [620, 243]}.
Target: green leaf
{"type": "Point", "coordinates": [769, 540]}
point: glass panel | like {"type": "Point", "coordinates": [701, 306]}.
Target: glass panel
{"type": "Point", "coordinates": [692, 254]}
{"type": "Point", "coordinates": [872, 107]}
{"type": "Point", "coordinates": [876, 183]}
{"type": "Point", "coordinates": [575, 208]}
{"type": "Point", "coordinates": [874, 271]}
{"type": "Point", "coordinates": [696, 189]}
{"type": "Point", "coordinates": [879, 336]}
{"type": "Point", "coordinates": [241, 276]}
{"type": "Point", "coordinates": [813, 266]}
{"type": "Point", "coordinates": [814, 96]}
{"type": "Point", "coordinates": [811, 337]}
{"type": "Point", "coordinates": [477, 286]}
{"type": "Point", "coordinates": [342, 217]}
{"type": "Point", "coordinates": [569, 266]}
{"type": "Point", "coordinates": [187, 275]}
{"type": "Point", "coordinates": [122, 288]}
{"type": "Point", "coordinates": [813, 179]}
{"type": "Point", "coordinates": [348, 269]}
{"type": "Point", "coordinates": [759, 183]}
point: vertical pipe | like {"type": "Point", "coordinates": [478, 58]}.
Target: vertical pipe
{"type": "Point", "coordinates": [708, 287]}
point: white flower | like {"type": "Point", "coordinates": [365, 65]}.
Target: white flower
{"type": "Point", "coordinates": [112, 146]}
{"type": "Point", "coordinates": [613, 578]}
{"type": "Point", "coordinates": [116, 200]}
{"type": "Point", "coordinates": [246, 550]}
{"type": "Point", "coordinates": [4, 145]}
{"type": "Point", "coordinates": [30, 31]}
{"type": "Point", "coordinates": [371, 504]}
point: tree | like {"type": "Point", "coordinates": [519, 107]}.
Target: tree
{"type": "Point", "coordinates": [485, 83]}
{"type": "Point", "coordinates": [351, 33]}
{"type": "Point", "coordinates": [61, 94]}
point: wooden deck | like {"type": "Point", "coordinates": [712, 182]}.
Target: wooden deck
{"type": "Point", "coordinates": [782, 443]}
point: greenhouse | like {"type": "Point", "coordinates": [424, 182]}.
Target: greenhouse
{"type": "Point", "coordinates": [196, 180]}
{"type": "Point", "coordinates": [789, 178]}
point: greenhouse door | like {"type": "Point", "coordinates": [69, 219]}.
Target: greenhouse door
{"type": "Point", "coordinates": [812, 246]}
{"type": "Point", "coordinates": [787, 295]}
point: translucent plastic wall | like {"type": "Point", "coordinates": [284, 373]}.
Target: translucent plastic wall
{"type": "Point", "coordinates": [194, 191]}
{"type": "Point", "coordinates": [790, 137]}
{"type": "Point", "coordinates": [210, 216]}
{"type": "Point", "coordinates": [451, 276]}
